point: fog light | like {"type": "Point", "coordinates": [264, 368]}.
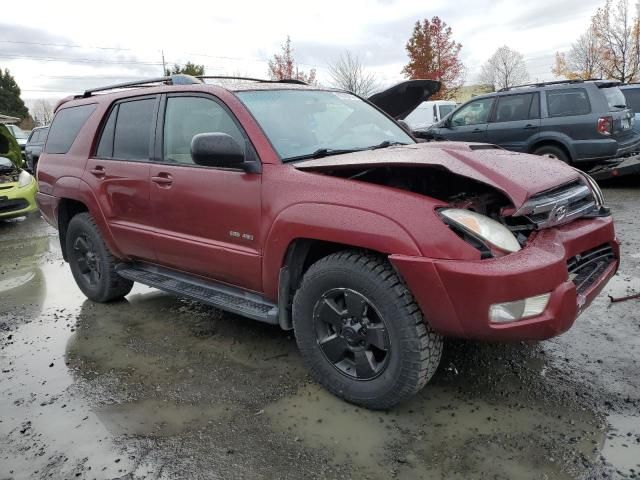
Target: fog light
{"type": "Point", "coordinates": [512, 311]}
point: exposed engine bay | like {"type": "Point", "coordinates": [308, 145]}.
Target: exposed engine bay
{"type": "Point", "coordinates": [456, 190]}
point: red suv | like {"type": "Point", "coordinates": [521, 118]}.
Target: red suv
{"type": "Point", "coordinates": [313, 209]}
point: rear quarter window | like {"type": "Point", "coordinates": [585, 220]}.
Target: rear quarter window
{"type": "Point", "coordinates": [66, 126]}
{"type": "Point", "coordinates": [568, 102]}
{"type": "Point", "coordinates": [632, 96]}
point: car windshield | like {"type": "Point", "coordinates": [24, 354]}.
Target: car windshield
{"type": "Point", "coordinates": [307, 123]}
{"type": "Point", "coordinates": [615, 98]}
{"type": "Point", "coordinates": [446, 110]}
{"type": "Point", "coordinates": [18, 132]}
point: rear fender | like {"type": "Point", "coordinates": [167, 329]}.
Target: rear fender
{"type": "Point", "coordinates": [73, 188]}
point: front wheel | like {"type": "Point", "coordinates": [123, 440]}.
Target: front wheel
{"type": "Point", "coordinates": [361, 333]}
{"type": "Point", "coordinates": [92, 265]}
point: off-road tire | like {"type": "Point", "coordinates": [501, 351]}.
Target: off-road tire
{"type": "Point", "coordinates": [109, 285]}
{"type": "Point", "coordinates": [555, 152]}
{"type": "Point", "coordinates": [415, 349]}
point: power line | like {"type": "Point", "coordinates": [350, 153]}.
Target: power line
{"type": "Point", "coordinates": [66, 45]}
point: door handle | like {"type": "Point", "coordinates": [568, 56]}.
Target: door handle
{"type": "Point", "coordinates": [98, 171]}
{"type": "Point", "coordinates": [162, 179]}
{"type": "Point", "coordinates": [530, 126]}
{"type": "Point", "coordinates": [477, 130]}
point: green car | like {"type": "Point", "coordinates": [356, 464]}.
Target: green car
{"type": "Point", "coordinates": [17, 186]}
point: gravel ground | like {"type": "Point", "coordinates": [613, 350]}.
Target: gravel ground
{"type": "Point", "coordinates": [158, 387]}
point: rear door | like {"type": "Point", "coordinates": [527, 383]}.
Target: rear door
{"type": "Point", "coordinates": [118, 173]}
{"type": "Point", "coordinates": [515, 119]}
{"type": "Point", "coordinates": [208, 219]}
{"type": "Point", "coordinates": [469, 122]}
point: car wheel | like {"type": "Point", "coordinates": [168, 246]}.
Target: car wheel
{"type": "Point", "coordinates": [361, 333]}
{"type": "Point", "coordinates": [553, 152]}
{"type": "Point", "coordinates": [92, 265]}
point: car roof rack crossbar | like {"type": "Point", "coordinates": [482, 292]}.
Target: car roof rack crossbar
{"type": "Point", "coordinates": [178, 79]}
{"type": "Point", "coordinates": [545, 84]}
{"type": "Point", "coordinates": [251, 79]}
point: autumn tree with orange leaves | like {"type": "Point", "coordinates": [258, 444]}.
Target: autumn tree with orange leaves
{"type": "Point", "coordinates": [283, 66]}
{"type": "Point", "coordinates": [434, 55]}
{"type": "Point", "coordinates": [610, 48]}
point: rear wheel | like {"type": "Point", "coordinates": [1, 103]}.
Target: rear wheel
{"type": "Point", "coordinates": [92, 265]}
{"type": "Point", "coordinates": [553, 152]}
{"type": "Point", "coordinates": [361, 333]}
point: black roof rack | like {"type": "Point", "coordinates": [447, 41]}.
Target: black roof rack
{"type": "Point", "coordinates": [178, 79]}
{"type": "Point", "coordinates": [181, 79]}
{"type": "Point", "coordinates": [545, 84]}
{"type": "Point", "coordinates": [251, 79]}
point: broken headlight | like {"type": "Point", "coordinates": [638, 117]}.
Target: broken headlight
{"type": "Point", "coordinates": [24, 179]}
{"type": "Point", "coordinates": [483, 228]}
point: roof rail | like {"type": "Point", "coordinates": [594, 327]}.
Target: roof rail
{"type": "Point", "coordinates": [251, 79]}
{"type": "Point", "coordinates": [545, 84]}
{"type": "Point", "coordinates": [178, 79]}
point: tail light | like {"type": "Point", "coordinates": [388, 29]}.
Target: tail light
{"type": "Point", "coordinates": [605, 125]}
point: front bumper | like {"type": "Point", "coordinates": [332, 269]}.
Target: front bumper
{"type": "Point", "coordinates": [17, 201]}
{"type": "Point", "coordinates": [455, 296]}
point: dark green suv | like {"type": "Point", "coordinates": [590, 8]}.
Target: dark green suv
{"type": "Point", "coordinates": [579, 122]}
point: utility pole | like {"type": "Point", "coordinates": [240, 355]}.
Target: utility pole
{"type": "Point", "coordinates": [164, 66]}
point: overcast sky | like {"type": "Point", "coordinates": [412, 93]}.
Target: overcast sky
{"type": "Point", "coordinates": [55, 48]}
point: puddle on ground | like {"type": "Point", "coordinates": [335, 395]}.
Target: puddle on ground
{"type": "Point", "coordinates": [622, 446]}
{"type": "Point", "coordinates": [157, 418]}
{"type": "Point", "coordinates": [155, 382]}
{"type": "Point", "coordinates": [416, 440]}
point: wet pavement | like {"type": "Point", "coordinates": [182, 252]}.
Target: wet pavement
{"type": "Point", "coordinates": [158, 387]}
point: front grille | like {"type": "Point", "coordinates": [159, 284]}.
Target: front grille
{"type": "Point", "coordinates": [13, 205]}
{"type": "Point", "coordinates": [586, 267]}
{"type": "Point", "coordinates": [558, 206]}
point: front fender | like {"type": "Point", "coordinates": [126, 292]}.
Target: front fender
{"type": "Point", "coordinates": [332, 223]}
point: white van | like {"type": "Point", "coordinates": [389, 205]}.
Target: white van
{"type": "Point", "coordinates": [428, 113]}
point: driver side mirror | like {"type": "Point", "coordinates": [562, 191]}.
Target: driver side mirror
{"type": "Point", "coordinates": [216, 150]}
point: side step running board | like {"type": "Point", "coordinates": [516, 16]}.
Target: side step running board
{"type": "Point", "coordinates": [224, 297]}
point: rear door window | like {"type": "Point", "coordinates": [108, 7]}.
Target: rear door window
{"type": "Point", "coordinates": [132, 136]}
{"type": "Point", "coordinates": [66, 126]}
{"type": "Point", "coordinates": [568, 102]}
{"type": "Point", "coordinates": [512, 108]}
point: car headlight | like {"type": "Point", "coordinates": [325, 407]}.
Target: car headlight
{"type": "Point", "coordinates": [24, 178]}
{"type": "Point", "coordinates": [483, 227]}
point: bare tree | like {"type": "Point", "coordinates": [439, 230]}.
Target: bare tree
{"type": "Point", "coordinates": [348, 73]}
{"type": "Point", "coordinates": [618, 36]}
{"type": "Point", "coordinates": [42, 112]}
{"type": "Point", "coordinates": [583, 60]}
{"type": "Point", "coordinates": [505, 68]}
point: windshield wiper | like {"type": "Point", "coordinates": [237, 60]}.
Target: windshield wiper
{"type": "Point", "coordinates": [619, 106]}
{"type": "Point", "coordinates": [320, 153]}
{"type": "Point", "coordinates": [385, 144]}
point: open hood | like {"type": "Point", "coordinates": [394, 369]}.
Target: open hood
{"type": "Point", "coordinates": [518, 176]}
{"type": "Point", "coordinates": [403, 98]}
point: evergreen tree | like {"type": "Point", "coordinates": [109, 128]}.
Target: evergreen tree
{"type": "Point", "coordinates": [10, 102]}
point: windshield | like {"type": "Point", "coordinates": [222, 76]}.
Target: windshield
{"type": "Point", "coordinates": [446, 110]}
{"type": "Point", "coordinates": [615, 98]}
{"type": "Point", "coordinates": [301, 123]}
{"type": "Point", "coordinates": [18, 132]}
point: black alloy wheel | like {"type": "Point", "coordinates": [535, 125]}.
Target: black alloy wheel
{"type": "Point", "coordinates": [351, 334]}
